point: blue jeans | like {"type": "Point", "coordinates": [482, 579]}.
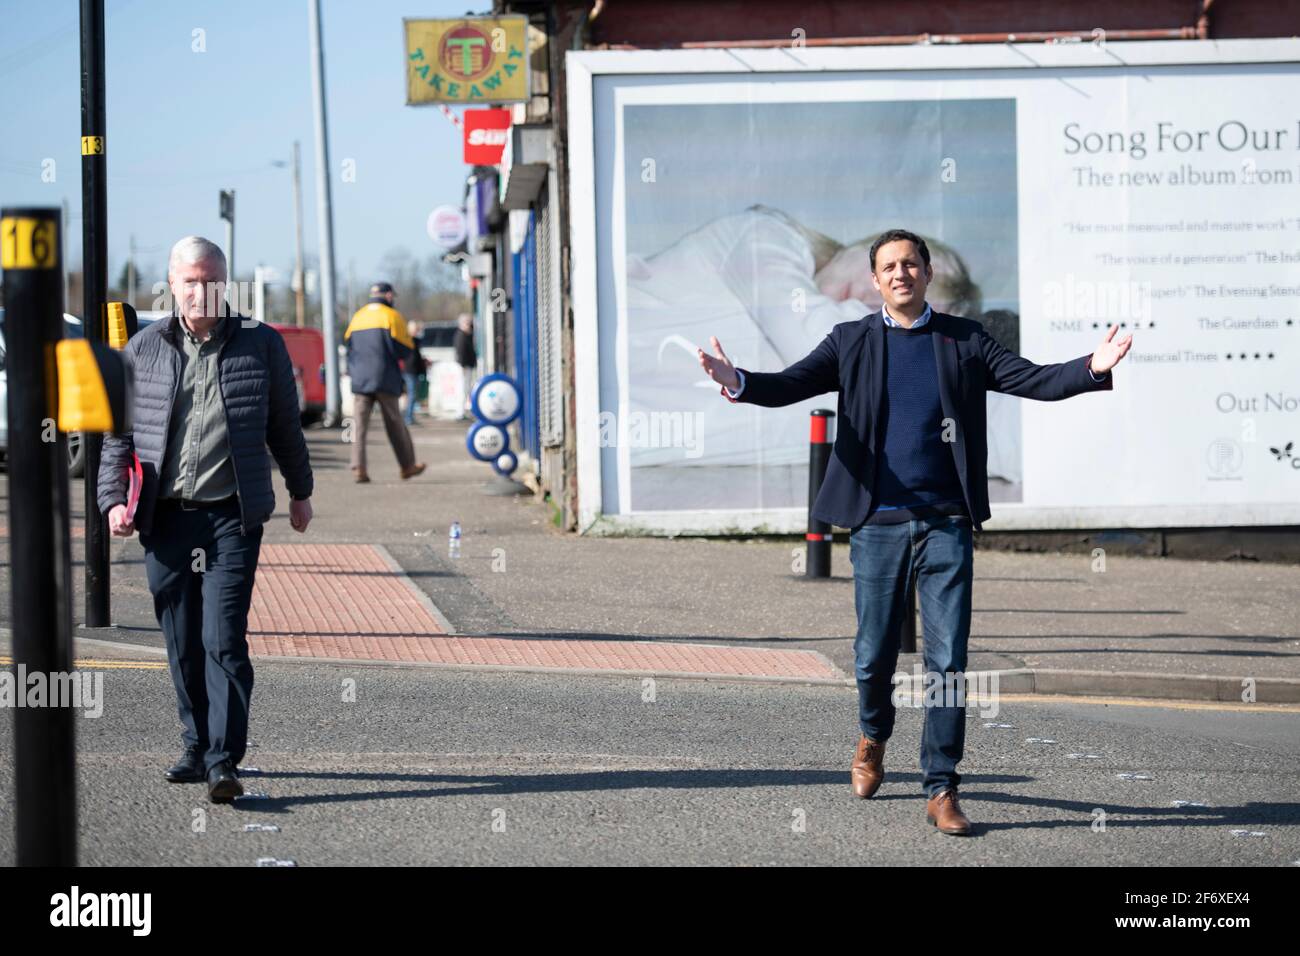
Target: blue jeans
{"type": "Point", "coordinates": [412, 389]}
{"type": "Point", "coordinates": [936, 553]}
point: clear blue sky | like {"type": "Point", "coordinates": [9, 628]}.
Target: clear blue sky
{"type": "Point", "coordinates": [183, 125]}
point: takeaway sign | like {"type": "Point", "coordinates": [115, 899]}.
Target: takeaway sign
{"type": "Point", "coordinates": [476, 60]}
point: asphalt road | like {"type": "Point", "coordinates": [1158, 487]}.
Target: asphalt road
{"type": "Point", "coordinates": [436, 766]}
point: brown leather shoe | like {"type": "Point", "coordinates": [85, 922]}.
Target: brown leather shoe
{"type": "Point", "coordinates": [868, 770]}
{"type": "Point", "coordinates": [943, 811]}
{"type": "Point", "coordinates": [362, 477]}
{"type": "Point", "coordinates": [413, 470]}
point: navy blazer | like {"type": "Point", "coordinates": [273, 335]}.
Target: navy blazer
{"type": "Point", "coordinates": [970, 362]}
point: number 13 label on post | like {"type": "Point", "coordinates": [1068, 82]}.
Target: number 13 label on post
{"type": "Point", "coordinates": [28, 243]}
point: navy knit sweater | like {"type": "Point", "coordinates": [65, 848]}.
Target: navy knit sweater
{"type": "Point", "coordinates": [916, 475]}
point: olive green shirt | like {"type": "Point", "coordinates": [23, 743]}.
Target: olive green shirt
{"type": "Point", "coordinates": [197, 463]}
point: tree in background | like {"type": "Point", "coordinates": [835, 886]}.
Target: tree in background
{"type": "Point", "coordinates": [428, 291]}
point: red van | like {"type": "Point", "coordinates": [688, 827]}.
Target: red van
{"type": "Point", "coordinates": [307, 352]}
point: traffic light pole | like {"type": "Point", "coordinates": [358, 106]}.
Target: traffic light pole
{"type": "Point", "coordinates": [40, 550]}
{"type": "Point", "coordinates": [94, 257]}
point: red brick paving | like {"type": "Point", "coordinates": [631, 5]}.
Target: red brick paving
{"type": "Point", "coordinates": [344, 601]}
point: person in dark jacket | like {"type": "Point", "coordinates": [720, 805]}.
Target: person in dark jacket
{"type": "Point", "coordinates": [214, 391]}
{"type": "Point", "coordinates": [466, 355]}
{"type": "Point", "coordinates": [908, 476]}
{"type": "Point", "coordinates": [377, 340]}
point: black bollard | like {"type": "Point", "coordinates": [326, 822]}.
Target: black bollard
{"type": "Point", "coordinates": [819, 456]}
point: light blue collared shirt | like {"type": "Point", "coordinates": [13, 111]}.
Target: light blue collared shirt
{"type": "Point", "coordinates": [889, 320]}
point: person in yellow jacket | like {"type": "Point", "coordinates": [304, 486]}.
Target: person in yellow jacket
{"type": "Point", "coordinates": [377, 339]}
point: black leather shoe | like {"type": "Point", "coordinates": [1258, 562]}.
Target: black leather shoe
{"type": "Point", "coordinates": [223, 785]}
{"type": "Point", "coordinates": [189, 769]}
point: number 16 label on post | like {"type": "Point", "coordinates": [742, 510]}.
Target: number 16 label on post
{"type": "Point", "coordinates": [28, 243]}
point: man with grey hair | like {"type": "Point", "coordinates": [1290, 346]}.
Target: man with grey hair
{"type": "Point", "coordinates": [214, 391]}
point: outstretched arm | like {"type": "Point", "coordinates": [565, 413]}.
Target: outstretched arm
{"type": "Point", "coordinates": [815, 373]}
{"type": "Point", "coordinates": [1016, 375]}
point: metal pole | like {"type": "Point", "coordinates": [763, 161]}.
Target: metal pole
{"type": "Point", "coordinates": [94, 279]}
{"type": "Point", "coordinates": [131, 276]}
{"type": "Point", "coordinates": [819, 457]}
{"type": "Point", "coordinates": [63, 251]}
{"type": "Point", "coordinates": [230, 255]}
{"type": "Point", "coordinates": [352, 290]}
{"type": "Point", "coordinates": [329, 320]}
{"type": "Point", "coordinates": [40, 550]}
{"type": "Point", "coordinates": [259, 294]}
{"type": "Point", "coordinates": [299, 281]}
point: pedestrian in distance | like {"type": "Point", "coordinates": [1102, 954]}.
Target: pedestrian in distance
{"type": "Point", "coordinates": [214, 392]}
{"type": "Point", "coordinates": [466, 357]}
{"type": "Point", "coordinates": [377, 341]}
{"type": "Point", "coordinates": [413, 369]}
{"type": "Point", "coordinates": [908, 477]}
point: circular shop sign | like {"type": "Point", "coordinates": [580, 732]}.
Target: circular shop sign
{"type": "Point", "coordinates": [496, 399]}
{"type": "Point", "coordinates": [447, 226]}
{"type": "Point", "coordinates": [487, 442]}
{"type": "Point", "coordinates": [505, 463]}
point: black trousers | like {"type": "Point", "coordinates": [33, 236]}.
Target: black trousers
{"type": "Point", "coordinates": [201, 567]}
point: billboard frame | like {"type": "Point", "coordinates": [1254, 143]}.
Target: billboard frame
{"type": "Point", "coordinates": [583, 66]}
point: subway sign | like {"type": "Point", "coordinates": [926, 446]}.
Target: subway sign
{"type": "Point", "coordinates": [475, 60]}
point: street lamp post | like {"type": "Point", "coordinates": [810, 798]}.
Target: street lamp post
{"type": "Point", "coordinates": [300, 301]}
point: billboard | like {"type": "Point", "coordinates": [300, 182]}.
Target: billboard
{"type": "Point", "coordinates": [1147, 185]}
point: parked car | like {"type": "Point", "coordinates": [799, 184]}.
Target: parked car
{"type": "Point", "coordinates": [437, 342]}
{"type": "Point", "coordinates": [307, 352]}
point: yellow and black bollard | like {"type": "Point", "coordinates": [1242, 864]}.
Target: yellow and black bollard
{"type": "Point", "coordinates": [40, 552]}
{"type": "Point", "coordinates": [55, 386]}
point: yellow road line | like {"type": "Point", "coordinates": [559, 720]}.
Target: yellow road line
{"type": "Point", "coordinates": [108, 665]}
{"type": "Point", "coordinates": [973, 701]}
{"type": "Point", "coordinates": [1159, 702]}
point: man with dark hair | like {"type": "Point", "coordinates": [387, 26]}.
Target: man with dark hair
{"type": "Point", "coordinates": [377, 339]}
{"type": "Point", "coordinates": [908, 476]}
{"type": "Point", "coordinates": [899, 235]}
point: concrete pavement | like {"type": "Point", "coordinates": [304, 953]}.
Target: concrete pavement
{"type": "Point", "coordinates": [1133, 626]}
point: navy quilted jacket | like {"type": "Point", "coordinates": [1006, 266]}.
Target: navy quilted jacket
{"type": "Point", "coordinates": [262, 414]}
